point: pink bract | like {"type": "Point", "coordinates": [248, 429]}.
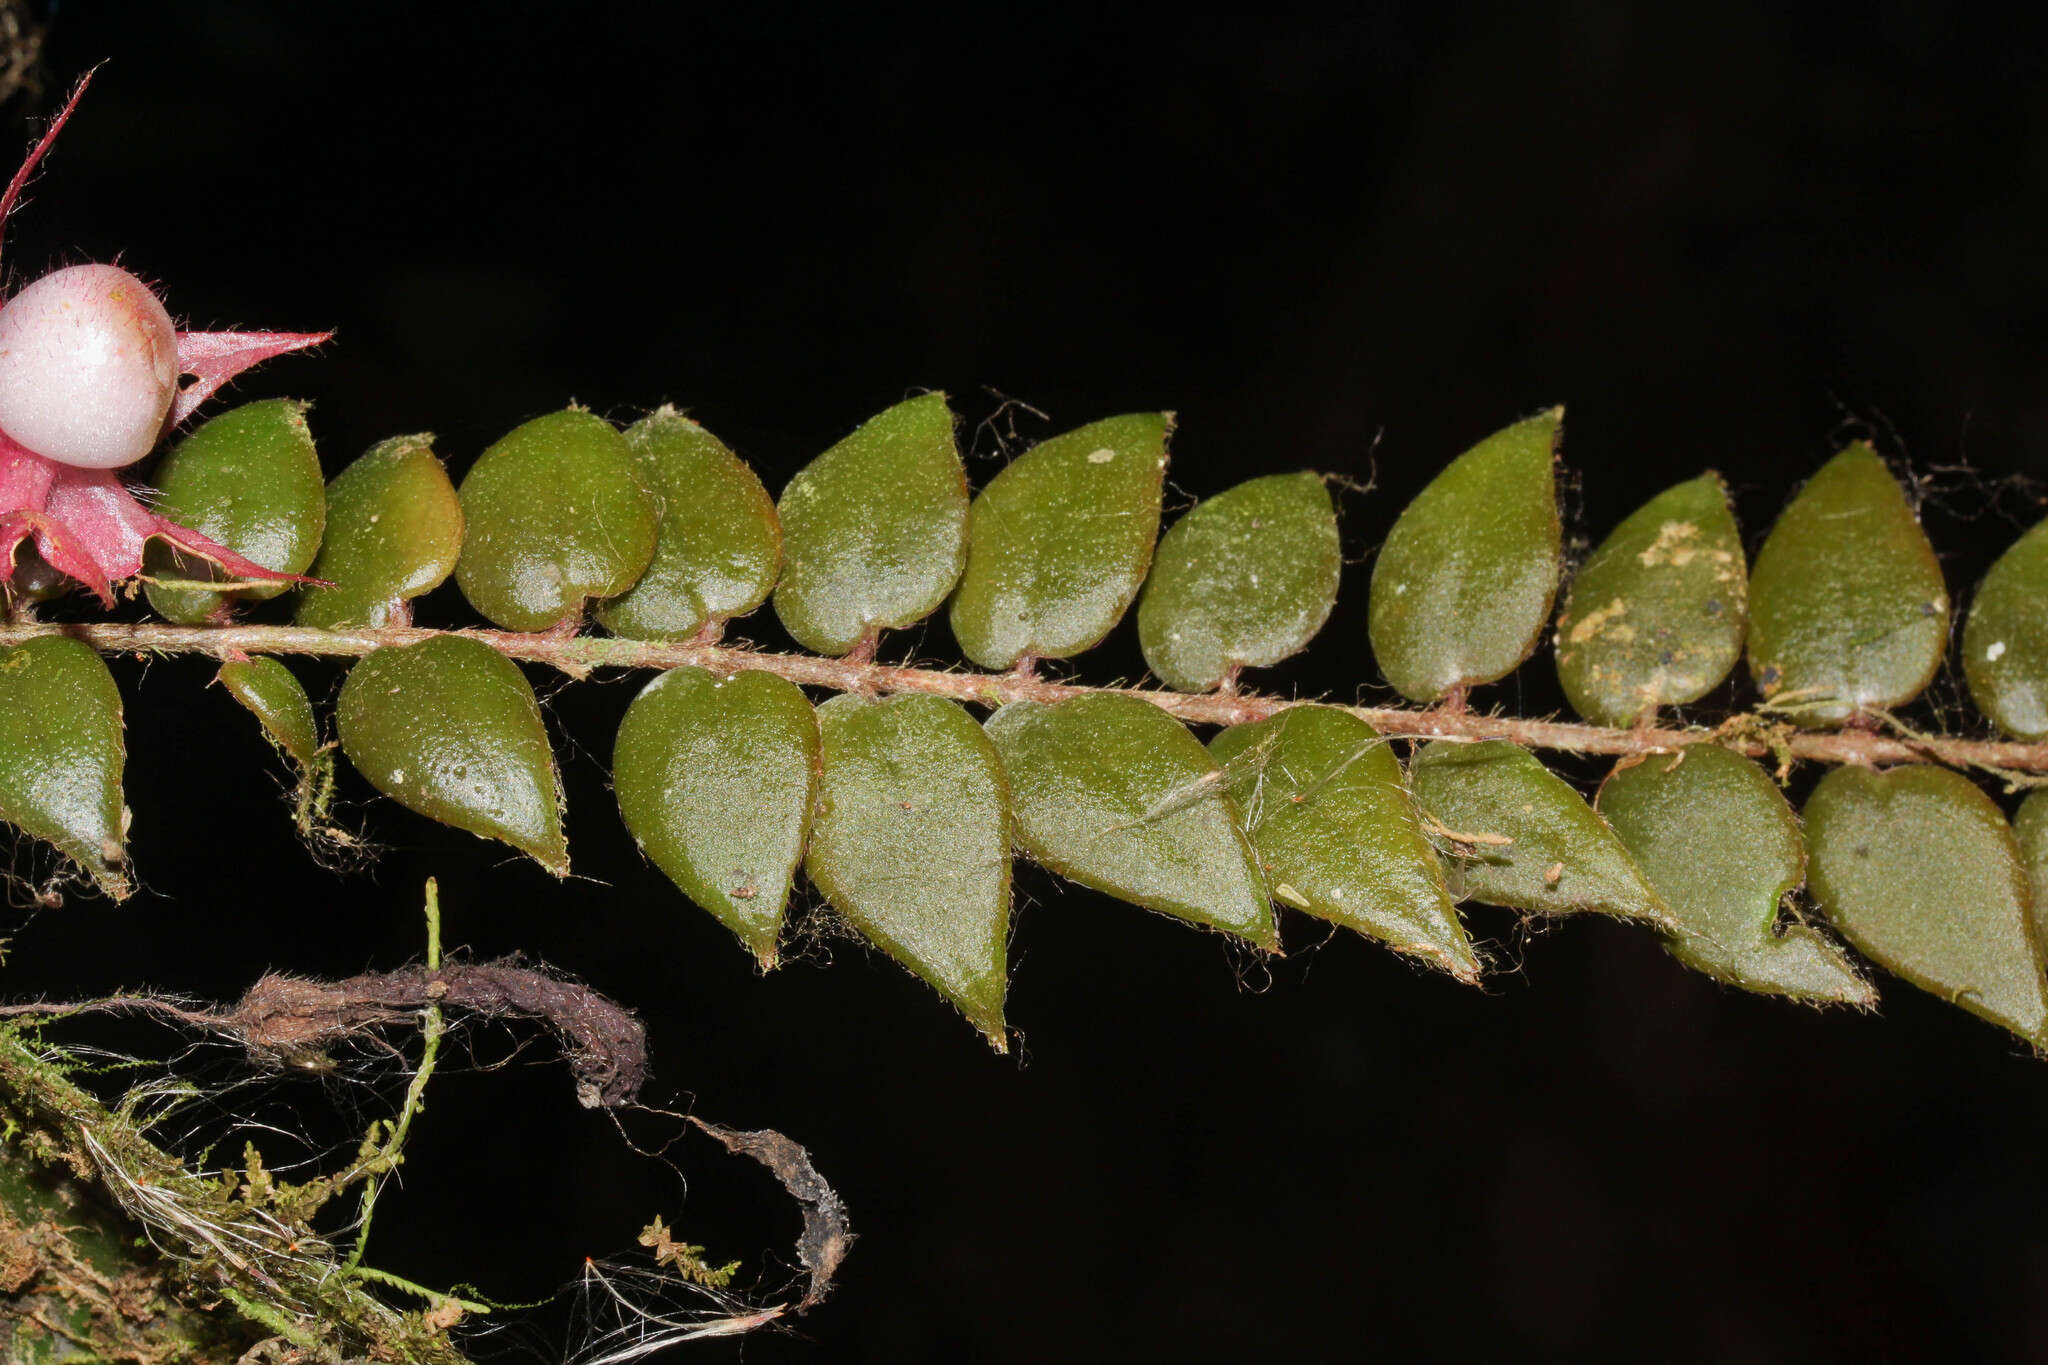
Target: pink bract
{"type": "Point", "coordinates": [88, 525]}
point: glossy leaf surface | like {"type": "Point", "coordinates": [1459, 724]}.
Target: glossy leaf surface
{"type": "Point", "coordinates": [874, 530]}
{"type": "Point", "coordinates": [1327, 809]}
{"type": "Point", "coordinates": [1919, 871]}
{"type": "Point", "coordinates": [715, 779]}
{"type": "Point", "coordinates": [1115, 794]}
{"type": "Point", "coordinates": [275, 697]}
{"type": "Point", "coordinates": [449, 728]}
{"type": "Point", "coordinates": [394, 531]}
{"type": "Point", "coordinates": [719, 547]}
{"type": "Point", "coordinates": [911, 842]}
{"type": "Point", "coordinates": [556, 513]}
{"type": "Point", "coordinates": [1655, 616]}
{"type": "Point", "coordinates": [1847, 608]}
{"type": "Point", "coordinates": [61, 755]}
{"type": "Point", "coordinates": [2030, 831]}
{"type": "Point", "coordinates": [250, 479]}
{"type": "Point", "coordinates": [2005, 639]}
{"type": "Point", "coordinates": [1721, 845]}
{"type": "Point", "coordinates": [1059, 542]}
{"type": "Point", "coordinates": [1464, 583]}
{"type": "Point", "coordinates": [1528, 841]}
{"type": "Point", "coordinates": [1243, 581]}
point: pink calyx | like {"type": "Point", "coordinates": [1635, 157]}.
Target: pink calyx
{"type": "Point", "coordinates": [213, 358]}
{"type": "Point", "coordinates": [88, 525]}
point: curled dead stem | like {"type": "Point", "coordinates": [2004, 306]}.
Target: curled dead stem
{"type": "Point", "coordinates": [577, 655]}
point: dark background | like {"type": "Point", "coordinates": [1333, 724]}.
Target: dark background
{"type": "Point", "coordinates": [1359, 246]}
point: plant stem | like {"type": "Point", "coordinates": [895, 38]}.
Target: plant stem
{"type": "Point", "coordinates": [415, 1092]}
{"type": "Point", "coordinates": [579, 654]}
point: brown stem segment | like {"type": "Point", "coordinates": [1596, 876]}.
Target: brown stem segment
{"type": "Point", "coordinates": [579, 654]}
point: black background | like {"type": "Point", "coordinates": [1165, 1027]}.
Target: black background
{"type": "Point", "coordinates": [1726, 241]}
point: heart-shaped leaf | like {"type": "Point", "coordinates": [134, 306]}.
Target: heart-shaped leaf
{"type": "Point", "coordinates": [2005, 639]}
{"type": "Point", "coordinates": [1720, 843]}
{"type": "Point", "coordinates": [911, 842]}
{"type": "Point", "coordinates": [394, 531]}
{"type": "Point", "coordinates": [720, 544]}
{"type": "Point", "coordinates": [449, 728]}
{"type": "Point", "coordinates": [556, 513]}
{"type": "Point", "coordinates": [1523, 838]}
{"type": "Point", "coordinates": [1919, 871]}
{"type": "Point", "coordinates": [715, 779]}
{"type": "Point", "coordinates": [874, 530]}
{"type": "Point", "coordinates": [1243, 581]}
{"type": "Point", "coordinates": [1847, 611]}
{"type": "Point", "coordinates": [1059, 541]}
{"type": "Point", "coordinates": [1115, 794]}
{"type": "Point", "coordinates": [1464, 583]}
{"type": "Point", "coordinates": [61, 755]}
{"type": "Point", "coordinates": [1655, 616]}
{"type": "Point", "coordinates": [1327, 809]}
{"type": "Point", "coordinates": [249, 479]}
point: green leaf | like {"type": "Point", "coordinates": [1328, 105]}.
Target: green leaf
{"type": "Point", "coordinates": [1059, 541]}
{"type": "Point", "coordinates": [2005, 639]}
{"type": "Point", "coordinates": [874, 530]}
{"type": "Point", "coordinates": [911, 842]}
{"type": "Point", "coordinates": [1918, 869]}
{"type": "Point", "coordinates": [394, 531]}
{"type": "Point", "coordinates": [720, 545]}
{"type": "Point", "coordinates": [33, 580]}
{"type": "Point", "coordinates": [249, 479]}
{"type": "Point", "coordinates": [2030, 831]}
{"type": "Point", "coordinates": [1847, 611]}
{"type": "Point", "coordinates": [1115, 794]}
{"type": "Point", "coordinates": [1720, 843]}
{"type": "Point", "coordinates": [61, 754]}
{"type": "Point", "coordinates": [449, 728]}
{"type": "Point", "coordinates": [1464, 583]}
{"type": "Point", "coordinates": [715, 779]}
{"type": "Point", "coordinates": [1243, 581]}
{"type": "Point", "coordinates": [1527, 840]}
{"type": "Point", "coordinates": [1328, 812]}
{"type": "Point", "coordinates": [274, 696]}
{"type": "Point", "coordinates": [556, 514]}
{"type": "Point", "coordinates": [1655, 616]}
{"type": "Point", "coordinates": [271, 694]}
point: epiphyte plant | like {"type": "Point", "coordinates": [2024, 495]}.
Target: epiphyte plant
{"type": "Point", "coordinates": [903, 805]}
{"type": "Point", "coordinates": [90, 364]}
{"type": "Point", "coordinates": [903, 809]}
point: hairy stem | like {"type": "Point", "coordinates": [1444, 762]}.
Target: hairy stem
{"type": "Point", "coordinates": [579, 654]}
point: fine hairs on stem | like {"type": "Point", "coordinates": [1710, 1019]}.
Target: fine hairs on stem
{"type": "Point", "coordinates": [579, 655]}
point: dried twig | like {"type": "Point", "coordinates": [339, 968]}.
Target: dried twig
{"type": "Point", "coordinates": [826, 1237]}
{"type": "Point", "coordinates": [287, 1019]}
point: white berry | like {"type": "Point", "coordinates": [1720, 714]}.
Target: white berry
{"type": "Point", "coordinates": [88, 367]}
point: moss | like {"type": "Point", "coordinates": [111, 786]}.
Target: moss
{"type": "Point", "coordinates": [79, 1282]}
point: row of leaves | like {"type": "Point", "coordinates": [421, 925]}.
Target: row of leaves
{"type": "Point", "coordinates": [670, 534]}
{"type": "Point", "coordinates": [904, 813]}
